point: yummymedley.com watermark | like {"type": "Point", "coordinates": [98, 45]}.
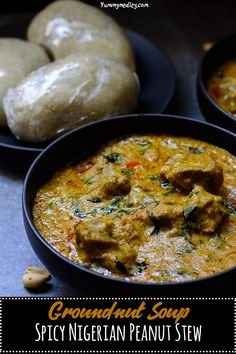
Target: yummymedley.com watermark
{"type": "Point", "coordinates": [124, 5]}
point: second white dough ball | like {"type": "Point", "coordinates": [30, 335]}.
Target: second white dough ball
{"type": "Point", "coordinates": [18, 58]}
{"type": "Point", "coordinates": [67, 93]}
{"type": "Point", "coordinates": [67, 26]}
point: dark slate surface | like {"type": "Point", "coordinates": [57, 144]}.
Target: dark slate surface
{"type": "Point", "coordinates": [180, 28]}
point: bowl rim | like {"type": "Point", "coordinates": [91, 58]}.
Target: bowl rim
{"type": "Point", "coordinates": [201, 81]}
{"type": "Point", "coordinates": [27, 212]}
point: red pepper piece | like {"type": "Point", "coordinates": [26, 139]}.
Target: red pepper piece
{"type": "Point", "coordinates": [131, 164]}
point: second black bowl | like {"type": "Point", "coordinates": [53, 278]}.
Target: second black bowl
{"type": "Point", "coordinates": [84, 141]}
{"type": "Point", "coordinates": [217, 55]}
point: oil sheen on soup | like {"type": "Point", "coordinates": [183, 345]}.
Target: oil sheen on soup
{"type": "Point", "coordinates": [153, 208]}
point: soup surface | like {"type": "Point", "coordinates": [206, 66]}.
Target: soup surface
{"type": "Point", "coordinates": [222, 87]}
{"type": "Point", "coordinates": [153, 208]}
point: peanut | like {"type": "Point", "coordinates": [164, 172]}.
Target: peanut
{"type": "Point", "coordinates": [207, 45]}
{"type": "Point", "coordinates": [35, 277]}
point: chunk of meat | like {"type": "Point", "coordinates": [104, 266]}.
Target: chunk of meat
{"type": "Point", "coordinates": [204, 211]}
{"type": "Point", "coordinates": [129, 232]}
{"type": "Point", "coordinates": [93, 238]}
{"type": "Point", "coordinates": [166, 215]}
{"type": "Point", "coordinates": [112, 186]}
{"type": "Point", "coordinates": [124, 260]}
{"type": "Point", "coordinates": [186, 171]}
{"type": "Point", "coordinates": [168, 212]}
{"type": "Point", "coordinates": [113, 246]}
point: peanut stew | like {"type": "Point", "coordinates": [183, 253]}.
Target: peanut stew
{"type": "Point", "coordinates": [222, 87]}
{"type": "Point", "coordinates": [153, 208]}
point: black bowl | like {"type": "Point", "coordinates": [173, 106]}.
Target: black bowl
{"type": "Point", "coordinates": [85, 140]}
{"type": "Point", "coordinates": [217, 55]}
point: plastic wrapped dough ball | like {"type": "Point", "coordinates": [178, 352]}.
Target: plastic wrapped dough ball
{"type": "Point", "coordinates": [17, 59]}
{"type": "Point", "coordinates": [67, 93]}
{"type": "Point", "coordinates": [66, 27]}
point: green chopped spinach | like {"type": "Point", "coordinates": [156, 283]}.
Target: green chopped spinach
{"type": "Point", "coordinates": [142, 142]}
{"type": "Point", "coordinates": [193, 192]}
{"type": "Point", "coordinates": [94, 211]}
{"type": "Point", "coordinates": [167, 272]}
{"type": "Point", "coordinates": [88, 181]}
{"type": "Point", "coordinates": [95, 200]}
{"type": "Point", "coordinates": [185, 249]}
{"type": "Point", "coordinates": [126, 171]}
{"type": "Point", "coordinates": [115, 204]}
{"type": "Point", "coordinates": [185, 232]}
{"type": "Point", "coordinates": [153, 178]}
{"type": "Point", "coordinates": [113, 157]}
{"type": "Point", "coordinates": [129, 204]}
{"type": "Point", "coordinates": [218, 241]}
{"type": "Point", "coordinates": [156, 223]}
{"type": "Point", "coordinates": [108, 210]}
{"type": "Point", "coordinates": [231, 209]}
{"type": "Point", "coordinates": [126, 211]}
{"type": "Point", "coordinates": [140, 266]}
{"type": "Point", "coordinates": [50, 205]}
{"type": "Point", "coordinates": [117, 216]}
{"type": "Point", "coordinates": [78, 212]}
{"type": "Point", "coordinates": [190, 216]}
{"type": "Point", "coordinates": [121, 267]}
{"type": "Point", "coordinates": [194, 150]}
{"type": "Point", "coordinates": [166, 184]}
